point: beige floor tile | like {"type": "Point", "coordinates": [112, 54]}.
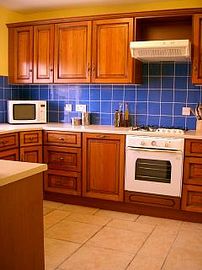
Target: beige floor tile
{"type": "Point", "coordinates": [130, 225]}
{"type": "Point", "coordinates": [191, 226]}
{"type": "Point", "coordinates": [154, 251]}
{"type": "Point", "coordinates": [54, 217]}
{"type": "Point", "coordinates": [78, 209]}
{"type": "Point", "coordinates": [47, 210]}
{"type": "Point", "coordinates": [159, 221]}
{"type": "Point", "coordinates": [53, 205]}
{"type": "Point", "coordinates": [91, 219]}
{"type": "Point", "coordinates": [92, 258]}
{"type": "Point", "coordinates": [116, 239]}
{"type": "Point", "coordinates": [56, 251]}
{"type": "Point", "coordinates": [117, 215]}
{"type": "Point", "coordinates": [72, 231]}
{"type": "Point", "coordinates": [183, 259]}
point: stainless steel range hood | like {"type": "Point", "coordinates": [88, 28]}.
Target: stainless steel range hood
{"type": "Point", "coordinates": [161, 50]}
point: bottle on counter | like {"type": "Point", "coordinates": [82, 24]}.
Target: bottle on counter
{"type": "Point", "coordinates": [120, 115]}
{"type": "Point", "coordinates": [116, 117]}
{"type": "Point", "coordinates": [126, 116]}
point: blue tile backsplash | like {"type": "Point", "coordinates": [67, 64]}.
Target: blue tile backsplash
{"type": "Point", "coordinates": [166, 88]}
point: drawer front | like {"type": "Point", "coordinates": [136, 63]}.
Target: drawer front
{"type": "Point", "coordinates": [62, 138]}
{"type": "Point", "coordinates": [192, 198]}
{"type": "Point", "coordinates": [12, 154]}
{"type": "Point", "coordinates": [30, 138]}
{"type": "Point", "coordinates": [8, 141]}
{"type": "Point", "coordinates": [63, 158]}
{"type": "Point", "coordinates": [193, 171]}
{"type": "Point", "coordinates": [193, 148]}
{"type": "Point", "coordinates": [63, 182]}
{"type": "Point", "coordinates": [31, 154]}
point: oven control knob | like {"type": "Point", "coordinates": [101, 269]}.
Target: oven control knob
{"type": "Point", "coordinates": [153, 143]}
{"type": "Point", "coordinates": [142, 143]}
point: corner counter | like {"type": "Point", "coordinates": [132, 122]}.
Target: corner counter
{"type": "Point", "coordinates": [21, 220]}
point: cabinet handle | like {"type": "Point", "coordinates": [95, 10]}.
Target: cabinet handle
{"type": "Point", "coordinates": [31, 139]}
{"type": "Point", "coordinates": [93, 70]}
{"type": "Point", "coordinates": [51, 70]}
{"type": "Point", "coordinates": [195, 68]}
{"type": "Point", "coordinates": [4, 142]}
{"type": "Point", "coordinates": [89, 69]}
{"type": "Point", "coordinates": [102, 136]}
{"type": "Point", "coordinates": [61, 158]}
{"type": "Point", "coordinates": [61, 139]}
{"type": "Point", "coordinates": [30, 70]}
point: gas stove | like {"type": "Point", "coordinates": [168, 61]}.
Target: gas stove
{"type": "Point", "coordinates": [171, 131]}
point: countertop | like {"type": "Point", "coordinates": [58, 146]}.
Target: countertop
{"type": "Point", "coordinates": [12, 171]}
{"type": "Point", "coordinates": [7, 128]}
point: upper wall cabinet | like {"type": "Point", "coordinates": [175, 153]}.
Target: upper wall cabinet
{"type": "Point", "coordinates": [72, 52]}
{"type": "Point", "coordinates": [43, 53]}
{"type": "Point", "coordinates": [80, 54]}
{"type": "Point", "coordinates": [20, 54]}
{"type": "Point", "coordinates": [197, 43]}
{"type": "Point", "coordinates": [111, 59]}
{"type": "Point", "coordinates": [31, 54]}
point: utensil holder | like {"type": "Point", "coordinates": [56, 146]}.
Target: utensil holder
{"type": "Point", "coordinates": [199, 126]}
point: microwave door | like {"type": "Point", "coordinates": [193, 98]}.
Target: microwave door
{"type": "Point", "coordinates": [24, 112]}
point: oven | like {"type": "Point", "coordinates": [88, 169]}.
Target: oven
{"type": "Point", "coordinates": [154, 165]}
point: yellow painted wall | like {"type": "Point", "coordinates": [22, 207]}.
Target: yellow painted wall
{"type": "Point", "coordinates": [7, 16]}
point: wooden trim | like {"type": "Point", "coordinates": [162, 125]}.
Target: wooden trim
{"type": "Point", "coordinates": [126, 207]}
{"type": "Point", "coordinates": [152, 199]}
{"type": "Point", "coordinates": [162, 13]}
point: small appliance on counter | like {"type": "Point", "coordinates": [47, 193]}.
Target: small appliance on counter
{"type": "Point", "coordinates": [26, 111]}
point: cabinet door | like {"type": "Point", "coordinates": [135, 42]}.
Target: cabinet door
{"type": "Point", "coordinates": [72, 52]}
{"type": "Point", "coordinates": [192, 198]}
{"type": "Point", "coordinates": [103, 166]}
{"type": "Point", "coordinates": [20, 54]}
{"type": "Point", "coordinates": [193, 171]}
{"type": "Point", "coordinates": [31, 154]}
{"type": "Point", "coordinates": [12, 154]}
{"type": "Point", "coordinates": [43, 53]}
{"type": "Point", "coordinates": [197, 42]}
{"type": "Point", "coordinates": [111, 59]}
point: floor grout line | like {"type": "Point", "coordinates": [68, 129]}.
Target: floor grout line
{"type": "Point", "coordinates": [140, 247]}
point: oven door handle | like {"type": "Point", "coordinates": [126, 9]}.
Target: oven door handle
{"type": "Point", "coordinates": [153, 150]}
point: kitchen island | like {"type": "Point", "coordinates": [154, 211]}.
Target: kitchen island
{"type": "Point", "coordinates": [21, 219]}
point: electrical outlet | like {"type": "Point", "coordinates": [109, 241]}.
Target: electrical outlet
{"type": "Point", "coordinates": [186, 110]}
{"type": "Point", "coordinates": [68, 107]}
{"type": "Point", "coordinates": [80, 108]}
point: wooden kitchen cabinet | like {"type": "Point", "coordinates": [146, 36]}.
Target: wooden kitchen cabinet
{"type": "Point", "coordinates": [197, 49]}
{"type": "Point", "coordinates": [62, 153]}
{"type": "Point", "coordinates": [192, 180]}
{"type": "Point", "coordinates": [9, 146]}
{"type": "Point", "coordinates": [31, 146]}
{"type": "Point", "coordinates": [20, 54]}
{"type": "Point", "coordinates": [43, 53]}
{"type": "Point", "coordinates": [31, 54]}
{"type": "Point", "coordinates": [73, 52]}
{"type": "Point", "coordinates": [111, 59]}
{"type": "Point", "coordinates": [103, 166]}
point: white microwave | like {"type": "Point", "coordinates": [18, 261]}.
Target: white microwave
{"type": "Point", "coordinates": [26, 111]}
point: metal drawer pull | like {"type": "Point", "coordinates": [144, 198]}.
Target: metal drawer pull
{"type": "Point", "coordinates": [101, 136]}
{"type": "Point", "coordinates": [4, 142]}
{"type": "Point", "coordinates": [61, 139]}
{"type": "Point", "coordinates": [61, 158]}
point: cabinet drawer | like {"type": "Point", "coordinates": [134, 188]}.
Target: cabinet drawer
{"type": "Point", "coordinates": [193, 148]}
{"type": "Point", "coordinates": [12, 154]}
{"type": "Point", "coordinates": [8, 141]}
{"type": "Point", "coordinates": [29, 138]}
{"type": "Point", "coordinates": [193, 171]}
{"type": "Point", "coordinates": [192, 198]}
{"type": "Point", "coordinates": [63, 182]}
{"type": "Point", "coordinates": [31, 154]}
{"type": "Point", "coordinates": [62, 158]}
{"type": "Point", "coordinates": [62, 138]}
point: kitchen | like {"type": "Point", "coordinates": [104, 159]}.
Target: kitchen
{"type": "Point", "coordinates": [166, 88]}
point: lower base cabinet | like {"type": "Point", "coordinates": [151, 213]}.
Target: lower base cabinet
{"type": "Point", "coordinates": [63, 182]}
{"type": "Point", "coordinates": [103, 166]}
{"type": "Point", "coordinates": [192, 198]}
{"type": "Point", "coordinates": [12, 154]}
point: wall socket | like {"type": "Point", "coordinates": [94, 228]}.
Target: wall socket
{"type": "Point", "coordinates": [186, 110]}
{"type": "Point", "coordinates": [80, 108]}
{"type": "Point", "coordinates": [68, 107]}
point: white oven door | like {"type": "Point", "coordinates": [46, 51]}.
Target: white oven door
{"type": "Point", "coordinates": [154, 171]}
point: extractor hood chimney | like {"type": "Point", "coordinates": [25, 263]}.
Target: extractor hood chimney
{"type": "Point", "coordinates": [161, 50]}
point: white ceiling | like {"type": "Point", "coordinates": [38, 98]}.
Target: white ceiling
{"type": "Point", "coordinates": [23, 5]}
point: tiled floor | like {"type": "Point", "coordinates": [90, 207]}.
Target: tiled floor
{"type": "Point", "coordinates": [84, 238]}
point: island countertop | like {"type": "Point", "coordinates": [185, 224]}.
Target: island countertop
{"type": "Point", "coordinates": [12, 171]}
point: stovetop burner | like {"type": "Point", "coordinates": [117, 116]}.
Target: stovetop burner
{"type": "Point", "coordinates": [163, 130]}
